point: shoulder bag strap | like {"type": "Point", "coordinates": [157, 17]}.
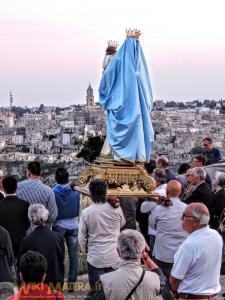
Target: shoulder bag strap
{"type": "Point", "coordinates": [134, 289]}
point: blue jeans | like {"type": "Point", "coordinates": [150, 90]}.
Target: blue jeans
{"type": "Point", "coordinates": [70, 235]}
{"type": "Point", "coordinates": [94, 274]}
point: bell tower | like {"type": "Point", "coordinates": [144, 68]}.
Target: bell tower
{"type": "Point", "coordinates": [10, 99]}
{"type": "Point", "coordinates": [90, 104]}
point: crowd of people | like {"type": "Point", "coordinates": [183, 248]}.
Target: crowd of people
{"type": "Point", "coordinates": [176, 249]}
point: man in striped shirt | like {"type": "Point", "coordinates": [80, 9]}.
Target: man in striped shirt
{"type": "Point", "coordinates": [33, 190]}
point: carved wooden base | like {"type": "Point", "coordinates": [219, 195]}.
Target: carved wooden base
{"type": "Point", "coordinates": [123, 178]}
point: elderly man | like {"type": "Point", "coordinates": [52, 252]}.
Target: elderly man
{"type": "Point", "coordinates": [148, 205]}
{"type": "Point", "coordinates": [201, 191]}
{"type": "Point", "coordinates": [212, 154]}
{"type": "Point", "coordinates": [162, 162]}
{"type": "Point", "coordinates": [33, 190]}
{"type": "Point", "coordinates": [169, 231]}
{"type": "Point", "coordinates": [217, 204]}
{"type": "Point", "coordinates": [130, 281]}
{"type": "Point", "coordinates": [200, 161]}
{"type": "Point", "coordinates": [1, 189]}
{"type": "Point", "coordinates": [49, 243]}
{"type": "Point", "coordinates": [196, 270]}
{"type": "Point", "coordinates": [189, 188]}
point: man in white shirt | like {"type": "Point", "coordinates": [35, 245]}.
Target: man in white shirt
{"type": "Point", "coordinates": [148, 206]}
{"type": "Point", "coordinates": [196, 270]}
{"type": "Point", "coordinates": [99, 229]}
{"type": "Point", "coordinates": [169, 232]}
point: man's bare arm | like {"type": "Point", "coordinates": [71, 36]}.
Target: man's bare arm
{"type": "Point", "coordinates": [174, 283]}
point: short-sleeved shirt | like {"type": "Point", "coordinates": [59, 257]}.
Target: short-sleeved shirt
{"type": "Point", "coordinates": [169, 231]}
{"type": "Point", "coordinates": [197, 263]}
{"type": "Point", "coordinates": [148, 206]}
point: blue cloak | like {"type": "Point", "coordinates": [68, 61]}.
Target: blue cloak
{"type": "Point", "coordinates": [125, 93]}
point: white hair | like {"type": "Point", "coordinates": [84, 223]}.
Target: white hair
{"type": "Point", "coordinates": [220, 179]}
{"type": "Point", "coordinates": [130, 245]}
{"type": "Point", "coordinates": [203, 218]}
{"type": "Point", "coordinates": [38, 214]}
{"type": "Point", "coordinates": [199, 172]}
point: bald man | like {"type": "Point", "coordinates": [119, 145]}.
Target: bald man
{"type": "Point", "coordinates": [196, 270]}
{"type": "Point", "coordinates": [169, 232]}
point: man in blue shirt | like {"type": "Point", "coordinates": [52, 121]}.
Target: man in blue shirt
{"type": "Point", "coordinates": [212, 154]}
{"type": "Point", "coordinates": [68, 203]}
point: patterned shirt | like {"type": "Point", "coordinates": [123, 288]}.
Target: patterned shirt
{"type": "Point", "coordinates": [34, 191]}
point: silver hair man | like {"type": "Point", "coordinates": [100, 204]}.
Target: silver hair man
{"type": "Point", "coordinates": [130, 245]}
{"type": "Point", "coordinates": [202, 216]}
{"type": "Point", "coordinates": [199, 172]}
{"type": "Point", "coordinates": [220, 179]}
{"type": "Point", "coordinates": [38, 214]}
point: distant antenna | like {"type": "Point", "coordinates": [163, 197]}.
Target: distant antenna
{"type": "Point", "coordinates": [11, 99]}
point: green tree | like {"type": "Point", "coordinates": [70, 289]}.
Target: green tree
{"type": "Point", "coordinates": [41, 108]}
{"type": "Point", "coordinates": [196, 150]}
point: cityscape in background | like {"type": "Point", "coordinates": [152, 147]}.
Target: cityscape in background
{"type": "Point", "coordinates": [55, 135]}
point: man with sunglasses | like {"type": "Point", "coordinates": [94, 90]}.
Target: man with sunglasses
{"type": "Point", "coordinates": [201, 190]}
{"type": "Point", "coordinates": [196, 269]}
{"type": "Point", "coordinates": [210, 152]}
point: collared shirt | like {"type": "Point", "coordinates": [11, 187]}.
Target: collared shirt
{"type": "Point", "coordinates": [148, 206]}
{"type": "Point", "coordinates": [169, 231]}
{"type": "Point", "coordinates": [197, 263]}
{"type": "Point", "coordinates": [35, 191]}
{"type": "Point", "coordinates": [99, 229]}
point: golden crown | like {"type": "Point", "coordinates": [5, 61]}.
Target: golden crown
{"type": "Point", "coordinates": [113, 44]}
{"type": "Point", "coordinates": [134, 33]}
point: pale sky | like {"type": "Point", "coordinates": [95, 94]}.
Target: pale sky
{"type": "Point", "coordinates": [51, 49]}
